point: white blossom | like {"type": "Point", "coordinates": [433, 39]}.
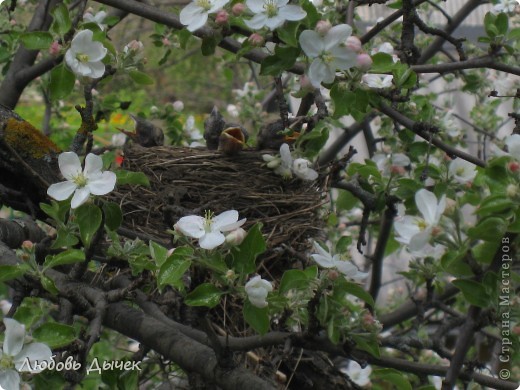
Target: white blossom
{"type": "Point", "coordinates": [195, 14]}
{"type": "Point", "coordinates": [386, 163]}
{"type": "Point", "coordinates": [236, 237]}
{"type": "Point", "coordinates": [97, 18]}
{"type": "Point", "coordinates": [387, 48]}
{"type": "Point", "coordinates": [377, 80]}
{"type": "Point", "coordinates": [282, 165]}
{"type": "Point", "coordinates": [272, 13]}
{"type": "Point", "coordinates": [328, 53]}
{"type": "Point", "coordinates": [84, 55]}
{"type": "Point", "coordinates": [81, 183]}
{"type": "Point", "coordinates": [359, 375]}
{"type": "Point", "coordinates": [302, 169]}
{"type": "Point", "coordinates": [415, 231]}
{"type": "Point", "coordinates": [326, 260]}
{"type": "Point", "coordinates": [257, 290]}
{"type": "Point", "coordinates": [505, 6]}
{"type": "Point", "coordinates": [208, 229]}
{"type": "Point", "coordinates": [462, 171]}
{"type": "Point", "coordinates": [16, 357]}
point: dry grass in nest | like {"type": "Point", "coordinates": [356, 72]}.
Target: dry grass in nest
{"type": "Point", "coordinates": [188, 181]}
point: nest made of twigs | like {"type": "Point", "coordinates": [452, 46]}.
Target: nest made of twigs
{"type": "Point", "coordinates": [188, 181]}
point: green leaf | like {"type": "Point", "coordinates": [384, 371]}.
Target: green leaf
{"type": "Point", "coordinates": [312, 14]}
{"type": "Point", "coordinates": [64, 238]}
{"type": "Point", "coordinates": [404, 77]}
{"type": "Point", "coordinates": [70, 256]}
{"type": "Point", "coordinates": [140, 77]}
{"type": "Point", "coordinates": [382, 63]}
{"type": "Point", "coordinates": [55, 335]}
{"type": "Point", "coordinates": [488, 229]}
{"type": "Point", "coordinates": [358, 291]}
{"type": "Point", "coordinates": [129, 177]}
{"type": "Point", "coordinates": [56, 210]}
{"type": "Point", "coordinates": [494, 204]}
{"type": "Point", "coordinates": [393, 377]}
{"type": "Point", "coordinates": [171, 273]}
{"type": "Point", "coordinates": [9, 272]}
{"type": "Point", "coordinates": [257, 318]}
{"type": "Point", "coordinates": [61, 82]}
{"type": "Point", "coordinates": [346, 201]}
{"type": "Point", "coordinates": [368, 344]}
{"type": "Point", "coordinates": [502, 23]}
{"type": "Point", "coordinates": [283, 59]}
{"type": "Point", "coordinates": [474, 292]}
{"type": "Point", "coordinates": [288, 33]}
{"type": "Point", "coordinates": [184, 37]}
{"type": "Point", "coordinates": [158, 252]}
{"type": "Point", "coordinates": [314, 140]}
{"type": "Point", "coordinates": [36, 40]}
{"type": "Point", "coordinates": [113, 215]}
{"type": "Point", "coordinates": [205, 294]}
{"type": "Point", "coordinates": [49, 285]}
{"type": "Point", "coordinates": [293, 279]}
{"type": "Point", "coordinates": [343, 100]}
{"type": "Point", "coordinates": [88, 218]}
{"type": "Point", "coordinates": [62, 23]}
{"type": "Point", "coordinates": [453, 263]}
{"type": "Point", "coordinates": [244, 255]}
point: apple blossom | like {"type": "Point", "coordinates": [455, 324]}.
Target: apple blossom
{"type": "Point", "coordinates": [257, 290]}
{"type": "Point", "coordinates": [236, 236]}
{"type": "Point", "coordinates": [84, 55]}
{"type": "Point", "coordinates": [208, 229]}
{"type": "Point", "coordinates": [326, 260]}
{"type": "Point", "coordinates": [302, 169]}
{"type": "Point", "coordinates": [377, 80]}
{"type": "Point", "coordinates": [195, 14]}
{"type": "Point", "coordinates": [505, 6]}
{"type": "Point", "coordinates": [359, 375]}
{"type": "Point", "coordinates": [328, 53]}
{"type": "Point", "coordinates": [81, 184]}
{"type": "Point", "coordinates": [238, 9]}
{"type": "Point", "coordinates": [221, 17]}
{"type": "Point", "coordinates": [386, 48]}
{"type": "Point", "coordinates": [272, 13]}
{"type": "Point", "coordinates": [462, 171]}
{"type": "Point", "coordinates": [256, 39]}
{"type": "Point", "coordinates": [323, 27]}
{"type": "Point", "coordinates": [16, 357]}
{"type": "Point", "coordinates": [416, 231]}
{"type": "Point", "coordinates": [178, 105]}
{"type": "Point", "coordinates": [353, 43]}
{"type": "Point", "coordinates": [97, 18]}
{"type": "Point", "coordinates": [55, 48]}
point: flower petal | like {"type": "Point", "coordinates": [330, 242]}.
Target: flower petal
{"type": "Point", "coordinates": [407, 228]}
{"type": "Point", "coordinates": [285, 154]}
{"type": "Point", "coordinates": [104, 184]}
{"type": "Point", "coordinates": [190, 13]}
{"type": "Point", "coordinates": [191, 226]}
{"type": "Point", "coordinates": [256, 22]}
{"type": "Point", "coordinates": [93, 164]}
{"type": "Point", "coordinates": [323, 261]}
{"type": "Point", "coordinates": [343, 58]}
{"type": "Point", "coordinates": [274, 22]}
{"type": "Point", "coordinates": [199, 21]}
{"type": "Point", "coordinates": [426, 202]}
{"type": "Point", "coordinates": [420, 240]}
{"type": "Point", "coordinates": [226, 218]}
{"type": "Point", "coordinates": [256, 6]}
{"type": "Point", "coordinates": [14, 337]}
{"type": "Point", "coordinates": [292, 12]}
{"type": "Point", "coordinates": [319, 71]}
{"type": "Point", "coordinates": [9, 379]}
{"type": "Point", "coordinates": [95, 51]}
{"type": "Point", "coordinates": [61, 191]}
{"type": "Point", "coordinates": [69, 164]}
{"type": "Point", "coordinates": [96, 69]}
{"type": "Point", "coordinates": [81, 40]}
{"type": "Point", "coordinates": [311, 43]}
{"type": "Point", "coordinates": [35, 353]}
{"type": "Point", "coordinates": [80, 196]}
{"type": "Point", "coordinates": [513, 145]}
{"type": "Point", "coordinates": [211, 240]}
{"type": "Point", "coordinates": [336, 35]}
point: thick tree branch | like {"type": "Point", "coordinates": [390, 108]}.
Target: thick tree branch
{"type": "Point", "coordinates": [473, 63]}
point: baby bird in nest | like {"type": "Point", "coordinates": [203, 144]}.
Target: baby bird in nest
{"type": "Point", "coordinates": [228, 138]}
{"type": "Point", "coordinates": [146, 133]}
{"type": "Point", "coordinates": [272, 136]}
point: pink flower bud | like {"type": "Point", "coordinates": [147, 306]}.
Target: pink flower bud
{"type": "Point", "coordinates": [513, 166]}
{"type": "Point", "coordinates": [55, 48]}
{"type": "Point", "coordinates": [238, 9]}
{"type": "Point", "coordinates": [353, 43]}
{"type": "Point", "coordinates": [364, 61]}
{"type": "Point", "coordinates": [178, 105]}
{"type": "Point", "coordinates": [256, 39]}
{"type": "Point", "coordinates": [332, 274]}
{"type": "Point", "coordinates": [27, 245]}
{"type": "Point", "coordinates": [305, 83]}
{"type": "Point", "coordinates": [323, 27]}
{"type": "Point", "coordinates": [166, 41]}
{"type": "Point", "coordinates": [12, 22]}
{"type": "Point", "coordinates": [397, 170]}
{"type": "Point", "coordinates": [236, 236]}
{"type": "Point", "coordinates": [221, 17]}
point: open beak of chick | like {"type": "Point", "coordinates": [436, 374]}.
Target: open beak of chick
{"type": "Point", "coordinates": [231, 141]}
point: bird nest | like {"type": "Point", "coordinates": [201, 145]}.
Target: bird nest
{"type": "Point", "coordinates": [189, 181]}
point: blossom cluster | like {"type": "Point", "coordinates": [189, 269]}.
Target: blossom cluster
{"type": "Point", "coordinates": [285, 166]}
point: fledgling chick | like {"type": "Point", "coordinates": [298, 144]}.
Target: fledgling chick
{"type": "Point", "coordinates": [271, 136]}
{"type": "Point", "coordinates": [213, 127]}
{"type": "Point", "coordinates": [146, 133]}
{"type": "Point", "coordinates": [232, 140]}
